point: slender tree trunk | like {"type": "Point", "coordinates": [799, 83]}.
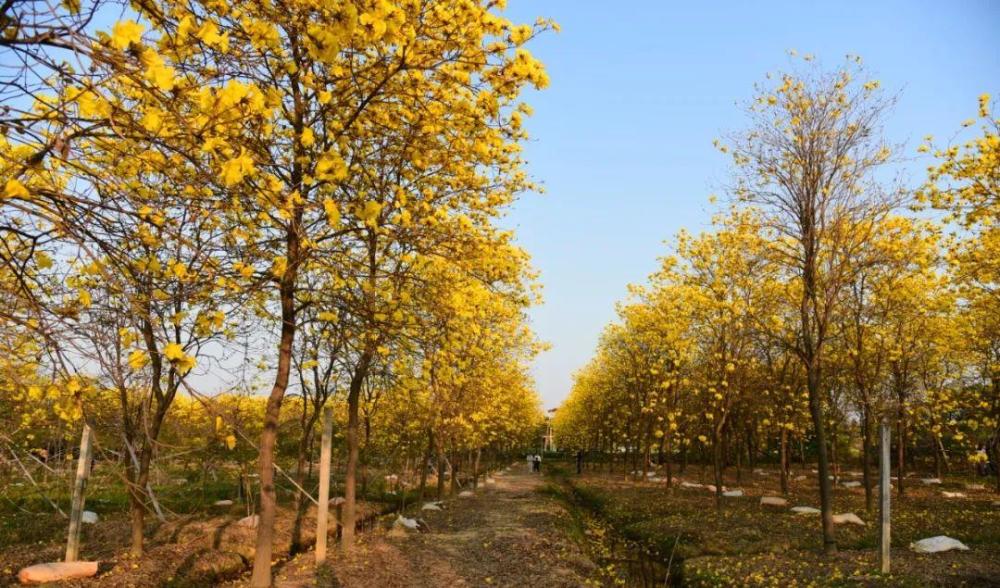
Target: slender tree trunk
{"type": "Point", "coordinates": [137, 493]}
{"type": "Point", "coordinates": [717, 468]}
{"type": "Point", "coordinates": [670, 471]}
{"type": "Point", "coordinates": [866, 456]}
{"type": "Point", "coordinates": [885, 497]}
{"type": "Point", "coordinates": [475, 469]}
{"type": "Point", "coordinates": [440, 472]}
{"type": "Point", "coordinates": [353, 450]}
{"type": "Point", "coordinates": [426, 463]}
{"type": "Point", "coordinates": [819, 424]}
{"type": "Point", "coordinates": [900, 454]}
{"type": "Point", "coordinates": [783, 459]}
{"type": "Point", "coordinates": [261, 577]}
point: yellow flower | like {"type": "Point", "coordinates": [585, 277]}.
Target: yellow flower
{"type": "Point", "coordinates": [137, 359]}
{"type": "Point", "coordinates": [370, 211]}
{"type": "Point", "coordinates": [124, 33]}
{"type": "Point", "coordinates": [308, 138]}
{"type": "Point", "coordinates": [279, 266]}
{"type": "Point", "coordinates": [15, 189]}
{"type": "Point", "coordinates": [209, 33]}
{"type": "Point", "coordinates": [332, 213]}
{"type": "Point", "coordinates": [234, 170]}
{"type": "Point", "coordinates": [173, 351]}
{"type": "Point", "coordinates": [185, 364]}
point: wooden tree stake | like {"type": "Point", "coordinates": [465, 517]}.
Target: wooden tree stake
{"type": "Point", "coordinates": [885, 496]}
{"type": "Point", "coordinates": [79, 487]}
{"type": "Point", "coordinates": [324, 485]}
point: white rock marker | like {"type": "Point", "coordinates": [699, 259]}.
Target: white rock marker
{"type": "Point", "coordinates": [805, 510]}
{"type": "Point", "coordinates": [938, 544]}
{"type": "Point", "coordinates": [57, 571]}
{"type": "Point", "coordinates": [848, 517]}
{"type": "Point", "coordinates": [773, 501]}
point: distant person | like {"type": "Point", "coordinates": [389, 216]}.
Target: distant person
{"type": "Point", "coordinates": [538, 463]}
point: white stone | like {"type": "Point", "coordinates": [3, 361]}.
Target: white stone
{"type": "Point", "coordinates": [947, 494]}
{"type": "Point", "coordinates": [337, 500]}
{"type": "Point", "coordinates": [403, 522]}
{"type": "Point", "coordinates": [848, 517]}
{"type": "Point", "coordinates": [465, 493]}
{"type": "Point", "coordinates": [431, 506]}
{"type": "Point", "coordinates": [691, 485]}
{"type": "Point", "coordinates": [851, 484]}
{"type": "Point", "coordinates": [223, 503]}
{"type": "Point", "coordinates": [57, 571]}
{"type": "Point", "coordinates": [88, 517]}
{"type": "Point", "coordinates": [799, 478]}
{"type": "Point", "coordinates": [975, 487]}
{"type": "Point", "coordinates": [805, 510]}
{"type": "Point", "coordinates": [733, 493]}
{"type": "Point", "coordinates": [249, 522]}
{"type": "Point", "coordinates": [929, 481]}
{"type": "Point", "coordinates": [937, 544]}
{"type": "Point", "coordinates": [490, 481]}
{"type": "Point", "coordinates": [773, 501]}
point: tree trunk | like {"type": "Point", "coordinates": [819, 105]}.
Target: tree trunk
{"type": "Point", "coordinates": [825, 489]}
{"type": "Point", "coordinates": [866, 456]}
{"type": "Point", "coordinates": [717, 469]}
{"type": "Point", "coordinates": [475, 469]}
{"type": "Point", "coordinates": [900, 454]}
{"type": "Point", "coordinates": [885, 497]}
{"type": "Point", "coordinates": [426, 463]}
{"type": "Point", "coordinates": [350, 476]}
{"type": "Point", "coordinates": [440, 472]}
{"type": "Point", "coordinates": [455, 457]}
{"type": "Point", "coordinates": [261, 577]}
{"type": "Point", "coordinates": [783, 461]}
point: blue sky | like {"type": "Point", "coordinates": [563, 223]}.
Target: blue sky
{"type": "Point", "coordinates": [622, 139]}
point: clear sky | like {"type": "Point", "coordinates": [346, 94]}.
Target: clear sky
{"type": "Point", "coordinates": [622, 139]}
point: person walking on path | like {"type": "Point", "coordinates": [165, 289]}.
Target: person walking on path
{"type": "Point", "coordinates": [538, 463]}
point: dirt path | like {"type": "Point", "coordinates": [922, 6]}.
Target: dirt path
{"type": "Point", "coordinates": [507, 534]}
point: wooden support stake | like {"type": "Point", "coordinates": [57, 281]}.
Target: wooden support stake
{"type": "Point", "coordinates": [79, 487]}
{"type": "Point", "coordinates": [324, 485]}
{"type": "Point", "coordinates": [885, 496]}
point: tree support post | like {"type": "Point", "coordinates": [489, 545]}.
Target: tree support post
{"type": "Point", "coordinates": [324, 485]}
{"type": "Point", "coordinates": [79, 487]}
{"type": "Point", "coordinates": [885, 498]}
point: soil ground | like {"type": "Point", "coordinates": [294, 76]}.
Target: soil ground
{"type": "Point", "coordinates": [506, 534]}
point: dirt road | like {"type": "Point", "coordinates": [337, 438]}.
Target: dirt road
{"type": "Point", "coordinates": [506, 534]}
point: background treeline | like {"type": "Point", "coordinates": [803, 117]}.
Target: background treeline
{"type": "Point", "coordinates": [825, 300]}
